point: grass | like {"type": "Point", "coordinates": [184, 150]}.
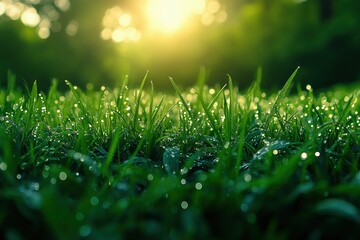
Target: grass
{"type": "Point", "coordinates": [204, 163]}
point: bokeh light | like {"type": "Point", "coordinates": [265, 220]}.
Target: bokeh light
{"type": "Point", "coordinates": [72, 28]}
{"type": "Point", "coordinates": [30, 17]}
{"type": "Point", "coordinates": [170, 15]}
{"type": "Point", "coordinates": [38, 14]}
{"type": "Point", "coordinates": [159, 16]}
{"type": "Point", "coordinates": [118, 26]}
{"type": "Point", "coordinates": [165, 16]}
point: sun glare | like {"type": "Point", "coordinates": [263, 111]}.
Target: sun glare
{"type": "Point", "coordinates": [166, 16]}
{"type": "Point", "coordinates": [170, 15]}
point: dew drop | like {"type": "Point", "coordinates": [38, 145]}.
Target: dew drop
{"type": "Point", "coordinates": [63, 176]}
{"type": "Point", "coordinates": [247, 177]}
{"type": "Point", "coordinates": [244, 207]}
{"type": "Point", "coordinates": [94, 200]}
{"type": "Point", "coordinates": [198, 186]}
{"type": "Point", "coordinates": [183, 171]}
{"type": "Point", "coordinates": [184, 205]}
{"type": "Point", "coordinates": [304, 156]}
{"type": "Point", "coordinates": [150, 177]}
{"type": "Point", "coordinates": [36, 186]}
{"type": "Point", "coordinates": [3, 166]}
{"type": "Point", "coordinates": [84, 230]}
{"type": "Point", "coordinates": [79, 216]}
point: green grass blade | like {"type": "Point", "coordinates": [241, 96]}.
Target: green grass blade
{"type": "Point", "coordinates": [138, 100]}
{"type": "Point", "coordinates": [181, 97]}
{"type": "Point", "coordinates": [283, 92]}
{"type": "Point", "coordinates": [111, 153]}
{"type": "Point", "coordinates": [201, 80]}
{"type": "Point", "coordinates": [32, 107]}
{"type": "Point", "coordinates": [211, 104]}
{"type": "Point", "coordinates": [211, 120]}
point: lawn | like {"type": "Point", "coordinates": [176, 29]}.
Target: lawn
{"type": "Point", "coordinates": [200, 163]}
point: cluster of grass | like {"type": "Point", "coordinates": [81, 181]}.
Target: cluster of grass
{"type": "Point", "coordinates": [206, 163]}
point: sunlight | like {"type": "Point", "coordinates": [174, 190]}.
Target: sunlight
{"type": "Point", "coordinates": [123, 24]}
{"type": "Point", "coordinates": [118, 26]}
{"type": "Point", "coordinates": [170, 15]}
{"type": "Point", "coordinates": [2, 8]}
{"type": "Point", "coordinates": [30, 17]}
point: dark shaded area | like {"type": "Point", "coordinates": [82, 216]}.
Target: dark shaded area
{"type": "Point", "coordinates": [321, 36]}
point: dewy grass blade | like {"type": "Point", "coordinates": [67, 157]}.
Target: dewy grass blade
{"type": "Point", "coordinates": [138, 100]}
{"type": "Point", "coordinates": [181, 97]}
{"type": "Point", "coordinates": [254, 90]}
{"type": "Point", "coordinates": [211, 119]}
{"type": "Point", "coordinates": [283, 92]}
{"type": "Point", "coordinates": [232, 102]}
{"type": "Point", "coordinates": [201, 80]}
{"type": "Point", "coordinates": [111, 153]}
{"type": "Point", "coordinates": [227, 120]}
{"type": "Point", "coordinates": [229, 110]}
{"type": "Point", "coordinates": [215, 98]}
{"type": "Point", "coordinates": [32, 108]}
{"type": "Point", "coordinates": [49, 154]}
{"type": "Point", "coordinates": [352, 100]}
{"type": "Point", "coordinates": [52, 92]}
{"type": "Point", "coordinates": [86, 113]}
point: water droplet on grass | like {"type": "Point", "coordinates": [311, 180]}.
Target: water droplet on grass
{"type": "Point", "coordinates": [63, 176]}
{"type": "Point", "coordinates": [150, 177]}
{"type": "Point", "coordinates": [84, 230]}
{"type": "Point", "coordinates": [79, 216]}
{"type": "Point", "coordinates": [184, 170]}
{"type": "Point", "coordinates": [244, 207]}
{"type": "Point", "coordinates": [304, 156]}
{"type": "Point", "coordinates": [94, 200]}
{"type": "Point", "coordinates": [247, 177]}
{"type": "Point", "coordinates": [184, 205]}
{"type": "Point", "coordinates": [35, 186]}
{"type": "Point", "coordinates": [171, 160]}
{"type": "Point", "coordinates": [53, 180]}
{"type": "Point", "coordinates": [198, 186]}
{"type": "Point", "coordinates": [3, 166]}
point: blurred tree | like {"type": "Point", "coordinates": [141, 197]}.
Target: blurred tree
{"type": "Point", "coordinates": [319, 35]}
{"type": "Point", "coordinates": [326, 9]}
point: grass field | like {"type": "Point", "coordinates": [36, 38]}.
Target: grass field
{"type": "Point", "coordinates": [203, 163]}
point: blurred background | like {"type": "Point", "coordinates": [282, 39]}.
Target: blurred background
{"type": "Point", "coordinates": [95, 43]}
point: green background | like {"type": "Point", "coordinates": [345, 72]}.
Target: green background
{"type": "Point", "coordinates": [321, 36]}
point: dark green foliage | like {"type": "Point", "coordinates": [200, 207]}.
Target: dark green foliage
{"type": "Point", "coordinates": [202, 164]}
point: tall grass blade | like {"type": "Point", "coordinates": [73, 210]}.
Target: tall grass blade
{"type": "Point", "coordinates": [138, 100]}
{"type": "Point", "coordinates": [32, 108]}
{"type": "Point", "coordinates": [211, 119]}
{"type": "Point", "coordinates": [283, 92]}
{"type": "Point", "coordinates": [111, 153]}
{"type": "Point", "coordinates": [201, 80]}
{"type": "Point", "coordinates": [181, 97]}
